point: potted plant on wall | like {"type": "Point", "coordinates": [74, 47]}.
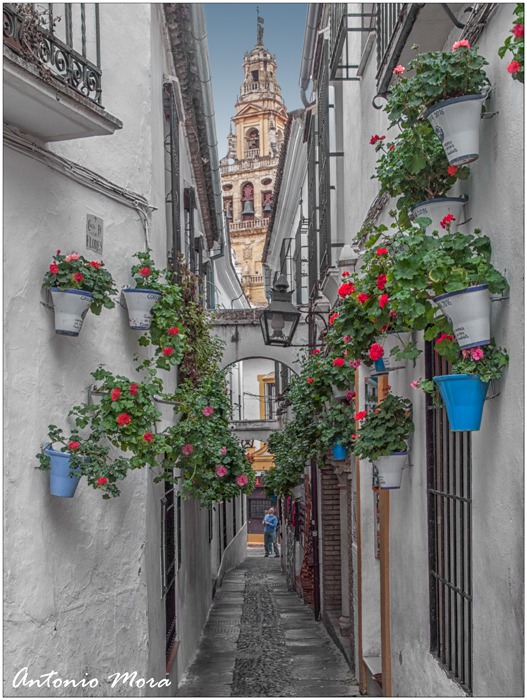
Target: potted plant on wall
{"type": "Point", "coordinates": [448, 89]}
{"type": "Point", "coordinates": [464, 390]}
{"type": "Point", "coordinates": [414, 168]}
{"type": "Point", "coordinates": [514, 43]}
{"type": "Point", "coordinates": [383, 436]}
{"type": "Point", "coordinates": [76, 285]}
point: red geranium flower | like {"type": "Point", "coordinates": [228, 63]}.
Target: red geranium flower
{"type": "Point", "coordinates": [73, 445]}
{"type": "Point", "coordinates": [514, 67]}
{"type": "Point", "coordinates": [392, 147]}
{"type": "Point", "coordinates": [363, 298]}
{"type": "Point", "coordinates": [144, 272]}
{"type": "Point", "coordinates": [517, 30]}
{"type": "Point", "coordinates": [376, 351]}
{"type": "Point", "coordinates": [333, 318]}
{"type": "Point", "coordinates": [53, 268]}
{"type": "Point", "coordinates": [173, 331]}
{"type": "Point", "coordinates": [78, 277]}
{"type": "Point", "coordinates": [310, 380]}
{"type": "Point", "coordinates": [102, 480]}
{"type": "Point", "coordinates": [381, 282]}
{"type": "Point", "coordinates": [116, 394]}
{"type": "Point", "coordinates": [338, 362]}
{"type": "Point", "coordinates": [167, 351]}
{"type": "Point", "coordinates": [376, 138]}
{"type": "Point", "coordinates": [133, 389]}
{"type": "Point", "coordinates": [382, 251]}
{"type": "Point", "coordinates": [94, 264]}
{"type": "Point", "coordinates": [148, 437]}
{"type": "Point", "coordinates": [346, 289]}
{"type": "Point", "coordinates": [345, 274]}
{"type": "Point", "coordinates": [316, 351]}
{"type": "Point", "coordinates": [383, 300]}
{"type": "Point", "coordinates": [451, 170]}
{"type": "Point", "coordinates": [360, 415]}
{"type": "Point", "coordinates": [124, 419]}
{"type": "Point", "coordinates": [58, 252]}
{"type": "Point", "coordinates": [447, 220]}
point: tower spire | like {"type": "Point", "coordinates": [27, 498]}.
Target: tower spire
{"type": "Point", "coordinates": [259, 28]}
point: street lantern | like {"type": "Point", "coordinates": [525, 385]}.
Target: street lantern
{"type": "Point", "coordinates": [280, 319]}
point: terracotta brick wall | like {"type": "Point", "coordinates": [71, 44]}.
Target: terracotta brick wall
{"type": "Point", "coordinates": [331, 539]}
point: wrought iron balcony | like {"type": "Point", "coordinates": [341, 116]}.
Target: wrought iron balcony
{"type": "Point", "coordinates": [54, 56]}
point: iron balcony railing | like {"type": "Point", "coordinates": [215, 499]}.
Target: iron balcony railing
{"type": "Point", "coordinates": [387, 18]}
{"type": "Point", "coordinates": [57, 55]}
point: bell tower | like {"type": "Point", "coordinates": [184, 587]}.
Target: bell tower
{"type": "Point", "coordinates": [248, 171]}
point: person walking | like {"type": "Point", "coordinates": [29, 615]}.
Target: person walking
{"type": "Point", "coordinates": [271, 525]}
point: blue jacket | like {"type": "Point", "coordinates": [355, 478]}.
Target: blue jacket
{"type": "Point", "coordinates": [271, 521]}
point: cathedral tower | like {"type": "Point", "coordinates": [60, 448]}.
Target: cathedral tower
{"type": "Point", "coordinates": [248, 171]}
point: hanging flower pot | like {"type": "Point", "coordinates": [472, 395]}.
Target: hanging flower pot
{"type": "Point", "coordinates": [339, 451]}
{"type": "Point", "coordinates": [60, 481]}
{"type": "Point", "coordinates": [468, 313]}
{"type": "Point", "coordinates": [140, 303]}
{"type": "Point", "coordinates": [168, 416]}
{"type": "Point", "coordinates": [437, 209]}
{"type": "Point", "coordinates": [378, 369]}
{"type": "Point", "coordinates": [339, 394]}
{"type": "Point", "coordinates": [464, 397]}
{"type": "Point", "coordinates": [390, 469]}
{"type": "Point", "coordinates": [456, 122]}
{"type": "Point", "coordinates": [71, 306]}
{"type": "Point", "coordinates": [297, 491]}
{"type": "Point", "coordinates": [393, 340]}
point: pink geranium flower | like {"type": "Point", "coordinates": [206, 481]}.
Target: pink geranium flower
{"type": "Point", "coordinates": [415, 384]}
{"type": "Point", "coordinates": [221, 470]}
{"type": "Point", "coordinates": [461, 43]}
{"type": "Point", "coordinates": [347, 338]}
{"type": "Point", "coordinates": [223, 450]}
{"type": "Point", "coordinates": [398, 70]}
{"type": "Point", "coordinates": [208, 411]}
{"type": "Point", "coordinates": [187, 449]}
{"type": "Point", "coordinates": [241, 480]}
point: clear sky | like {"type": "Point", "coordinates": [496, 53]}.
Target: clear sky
{"type": "Point", "coordinates": [231, 31]}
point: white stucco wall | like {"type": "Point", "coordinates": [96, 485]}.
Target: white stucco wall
{"type": "Point", "coordinates": [82, 576]}
{"type": "Point", "coordinates": [495, 190]}
{"type": "Point", "coordinates": [252, 369]}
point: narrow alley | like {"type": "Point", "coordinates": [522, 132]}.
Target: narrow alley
{"type": "Point", "coordinates": [261, 640]}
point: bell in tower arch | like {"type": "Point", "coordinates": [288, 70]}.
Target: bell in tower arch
{"type": "Point", "coordinates": [248, 208]}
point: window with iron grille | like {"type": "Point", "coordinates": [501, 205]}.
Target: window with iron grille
{"type": "Point", "coordinates": [324, 190]}
{"type": "Point", "coordinates": [258, 507]}
{"type": "Point", "coordinates": [173, 198]}
{"type": "Point", "coordinates": [449, 467]}
{"type": "Point", "coordinates": [312, 208]}
{"type": "Point", "coordinates": [169, 564]}
{"type": "Point", "coordinates": [301, 259]}
{"type": "Point", "coordinates": [387, 17]}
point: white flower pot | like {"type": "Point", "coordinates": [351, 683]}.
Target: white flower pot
{"type": "Point", "coordinates": [390, 470]}
{"type": "Point", "coordinates": [169, 417]}
{"type": "Point", "coordinates": [393, 340]}
{"type": "Point", "coordinates": [437, 209]}
{"type": "Point", "coordinates": [139, 303]}
{"type": "Point", "coordinates": [456, 122]}
{"type": "Point", "coordinates": [339, 394]}
{"type": "Point", "coordinates": [297, 491]}
{"type": "Point", "coordinates": [468, 313]}
{"type": "Point", "coordinates": [71, 306]}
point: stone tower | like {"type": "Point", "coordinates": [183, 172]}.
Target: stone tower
{"type": "Point", "coordinates": [248, 171]}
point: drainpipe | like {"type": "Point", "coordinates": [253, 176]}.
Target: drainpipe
{"type": "Point", "coordinates": [310, 36]}
{"type": "Point", "coordinates": [199, 34]}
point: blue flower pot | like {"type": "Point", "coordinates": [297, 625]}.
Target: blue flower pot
{"type": "Point", "coordinates": [464, 397]}
{"type": "Point", "coordinates": [379, 369]}
{"type": "Point", "coordinates": [339, 452]}
{"type": "Point", "coordinates": [60, 481]}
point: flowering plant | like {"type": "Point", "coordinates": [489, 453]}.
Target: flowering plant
{"type": "Point", "coordinates": [386, 430]}
{"type": "Point", "coordinates": [437, 76]}
{"type": "Point", "coordinates": [214, 466]}
{"type": "Point", "coordinates": [514, 43]}
{"type": "Point", "coordinates": [414, 168]}
{"type": "Point", "coordinates": [75, 272]}
{"type": "Point", "coordinates": [90, 457]}
{"type": "Point", "coordinates": [166, 331]}
{"type": "Point", "coordinates": [288, 469]}
{"type": "Point", "coordinates": [125, 415]}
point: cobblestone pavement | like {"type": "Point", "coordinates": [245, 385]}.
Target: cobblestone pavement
{"type": "Point", "coordinates": [262, 641]}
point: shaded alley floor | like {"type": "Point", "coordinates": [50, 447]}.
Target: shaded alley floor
{"type": "Point", "coordinates": [262, 641]}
